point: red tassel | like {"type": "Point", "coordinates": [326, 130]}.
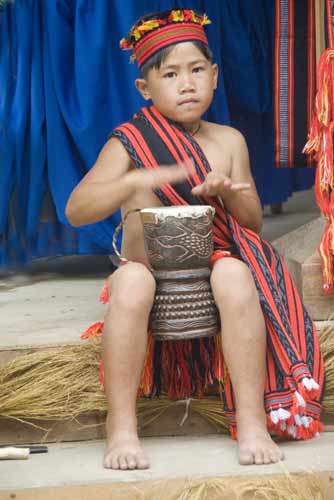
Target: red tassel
{"type": "Point", "coordinates": [104, 295]}
{"type": "Point", "coordinates": [93, 331]}
{"type": "Point", "coordinates": [101, 374]}
{"type": "Point", "coordinates": [320, 144]}
{"type": "Point", "coordinates": [198, 381]}
{"type": "Point", "coordinates": [218, 366]}
{"type": "Point", "coordinates": [183, 388]}
{"type": "Point", "coordinates": [233, 432]}
{"type": "Point", "coordinates": [165, 366]}
{"type": "Point", "coordinates": [218, 254]}
{"type": "Point", "coordinates": [146, 382]}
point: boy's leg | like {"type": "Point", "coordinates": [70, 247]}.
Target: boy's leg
{"type": "Point", "coordinates": [124, 340]}
{"type": "Point", "coordinates": [244, 348]}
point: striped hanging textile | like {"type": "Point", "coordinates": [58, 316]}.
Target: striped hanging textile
{"type": "Point", "coordinates": [294, 80]}
{"type": "Point", "coordinates": [294, 366]}
{"type": "Point", "coordinates": [320, 146]}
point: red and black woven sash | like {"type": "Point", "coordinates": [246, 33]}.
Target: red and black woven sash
{"type": "Point", "coordinates": [293, 351]}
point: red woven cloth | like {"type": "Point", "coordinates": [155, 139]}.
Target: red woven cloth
{"type": "Point", "coordinates": [294, 366]}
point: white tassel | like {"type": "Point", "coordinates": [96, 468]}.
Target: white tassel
{"type": "Point", "coordinates": [298, 420]}
{"type": "Point", "coordinates": [307, 383]}
{"type": "Point", "coordinates": [283, 414]}
{"type": "Point", "coordinates": [300, 399]}
{"type": "Point", "coordinates": [292, 430]}
{"type": "Point", "coordinates": [274, 416]}
{"type": "Point", "coordinates": [310, 383]}
{"type": "Point", "coordinates": [305, 421]}
{"type": "Point", "coordinates": [315, 385]}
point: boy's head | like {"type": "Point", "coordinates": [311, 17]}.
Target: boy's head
{"type": "Point", "coordinates": [175, 61]}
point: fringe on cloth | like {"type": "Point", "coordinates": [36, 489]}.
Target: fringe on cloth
{"type": "Point", "coordinates": [320, 146]}
{"type": "Point", "coordinates": [184, 368]}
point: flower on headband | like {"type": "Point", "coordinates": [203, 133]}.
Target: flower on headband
{"type": "Point", "coordinates": [176, 16]}
{"type": "Point", "coordinates": [149, 25]}
{"type": "Point", "coordinates": [138, 31]}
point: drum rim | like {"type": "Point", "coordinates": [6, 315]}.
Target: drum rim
{"type": "Point", "coordinates": [177, 209]}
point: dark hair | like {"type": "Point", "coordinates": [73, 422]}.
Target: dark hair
{"type": "Point", "coordinates": [158, 58]}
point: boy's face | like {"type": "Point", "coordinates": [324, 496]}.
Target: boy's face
{"type": "Point", "coordinates": [182, 88]}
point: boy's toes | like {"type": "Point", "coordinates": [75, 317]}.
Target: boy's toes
{"type": "Point", "coordinates": [142, 462]}
{"type": "Point", "coordinates": [131, 461]}
{"type": "Point", "coordinates": [111, 461]}
{"type": "Point", "coordinates": [259, 457]}
{"type": "Point", "coordinates": [246, 457]}
{"type": "Point", "coordinates": [276, 456]}
{"type": "Point", "coordinates": [266, 457]}
{"type": "Point", "coordinates": [123, 464]}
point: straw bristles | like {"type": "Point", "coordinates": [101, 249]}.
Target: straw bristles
{"type": "Point", "coordinates": [64, 383]}
{"type": "Point", "coordinates": [326, 340]}
{"type": "Point", "coordinates": [52, 385]}
{"type": "Point", "coordinates": [304, 486]}
{"type": "Point", "coordinates": [284, 488]}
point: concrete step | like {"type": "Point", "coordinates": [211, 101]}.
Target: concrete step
{"type": "Point", "coordinates": [74, 470]}
{"type": "Point", "coordinates": [53, 314]}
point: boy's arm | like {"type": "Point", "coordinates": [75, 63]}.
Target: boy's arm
{"type": "Point", "coordinates": [237, 191]}
{"type": "Point", "coordinates": [243, 204]}
{"type": "Point", "coordinates": [110, 182]}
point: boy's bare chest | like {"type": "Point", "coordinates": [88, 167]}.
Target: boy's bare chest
{"type": "Point", "coordinates": [218, 157]}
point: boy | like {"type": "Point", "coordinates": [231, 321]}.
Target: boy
{"type": "Point", "coordinates": [168, 155]}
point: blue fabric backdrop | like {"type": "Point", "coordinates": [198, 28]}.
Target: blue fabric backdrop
{"type": "Point", "coordinates": [65, 84]}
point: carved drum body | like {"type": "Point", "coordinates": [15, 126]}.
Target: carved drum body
{"type": "Point", "coordinates": [179, 244]}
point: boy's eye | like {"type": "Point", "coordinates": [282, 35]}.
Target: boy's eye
{"type": "Point", "coordinates": [170, 74]}
{"type": "Point", "coordinates": [197, 69]}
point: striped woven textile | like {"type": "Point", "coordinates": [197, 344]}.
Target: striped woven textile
{"type": "Point", "coordinates": [294, 367]}
{"type": "Point", "coordinates": [294, 80]}
{"type": "Point", "coordinates": [320, 147]}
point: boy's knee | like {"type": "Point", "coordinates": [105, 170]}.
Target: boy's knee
{"type": "Point", "coordinates": [233, 281]}
{"type": "Point", "coordinates": [132, 287]}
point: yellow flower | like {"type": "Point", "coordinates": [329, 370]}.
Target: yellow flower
{"type": "Point", "coordinates": [136, 34]}
{"type": "Point", "coordinates": [205, 20]}
{"type": "Point", "coordinates": [178, 15]}
{"type": "Point", "coordinates": [148, 25]}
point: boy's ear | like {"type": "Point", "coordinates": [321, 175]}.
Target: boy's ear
{"type": "Point", "coordinates": [142, 87]}
{"type": "Point", "coordinates": [215, 74]}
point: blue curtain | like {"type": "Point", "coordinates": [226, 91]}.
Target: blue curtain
{"type": "Point", "coordinates": [65, 84]}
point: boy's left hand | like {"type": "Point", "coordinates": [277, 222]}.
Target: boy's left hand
{"type": "Point", "coordinates": [217, 184]}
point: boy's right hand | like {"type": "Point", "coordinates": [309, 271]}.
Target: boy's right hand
{"type": "Point", "coordinates": [150, 179]}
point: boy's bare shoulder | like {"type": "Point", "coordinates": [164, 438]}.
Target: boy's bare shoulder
{"type": "Point", "coordinates": [112, 162]}
{"type": "Point", "coordinates": [114, 148]}
{"type": "Point", "coordinates": [224, 133]}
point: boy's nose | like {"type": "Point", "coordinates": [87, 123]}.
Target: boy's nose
{"type": "Point", "coordinates": [186, 85]}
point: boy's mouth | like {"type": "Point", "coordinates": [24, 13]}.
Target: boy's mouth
{"type": "Point", "coordinates": [188, 101]}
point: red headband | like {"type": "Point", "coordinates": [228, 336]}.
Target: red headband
{"type": "Point", "coordinates": [167, 35]}
{"type": "Point", "coordinates": [153, 35]}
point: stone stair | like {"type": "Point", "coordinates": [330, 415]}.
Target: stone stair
{"type": "Point", "coordinates": [73, 467]}
{"type": "Point", "coordinates": [74, 471]}
{"type": "Point", "coordinates": [185, 459]}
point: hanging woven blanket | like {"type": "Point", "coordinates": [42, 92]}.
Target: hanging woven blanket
{"type": "Point", "coordinates": [294, 80]}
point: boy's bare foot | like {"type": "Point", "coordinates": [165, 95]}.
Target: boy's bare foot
{"type": "Point", "coordinates": [256, 445]}
{"type": "Point", "coordinates": [125, 452]}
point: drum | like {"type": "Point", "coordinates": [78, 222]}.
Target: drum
{"type": "Point", "coordinates": [179, 244]}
